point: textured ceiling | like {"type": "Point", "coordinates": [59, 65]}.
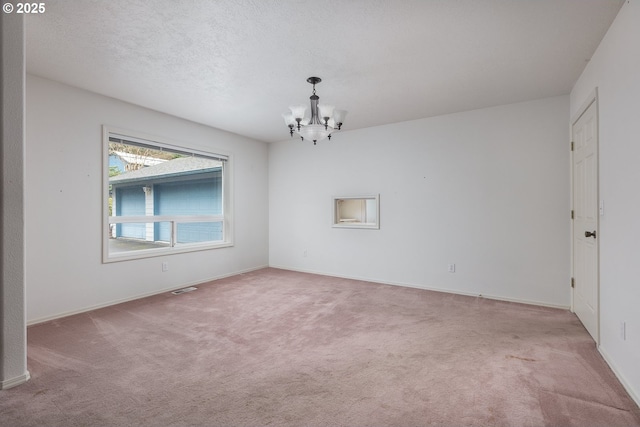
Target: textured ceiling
{"type": "Point", "coordinates": [238, 64]}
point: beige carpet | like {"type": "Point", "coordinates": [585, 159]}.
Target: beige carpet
{"type": "Point", "coordinates": [281, 348]}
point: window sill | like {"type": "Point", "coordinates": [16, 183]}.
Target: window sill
{"type": "Point", "coordinates": [151, 253]}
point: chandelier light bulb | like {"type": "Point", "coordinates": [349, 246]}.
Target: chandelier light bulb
{"type": "Point", "coordinates": [288, 119]}
{"type": "Point", "coordinates": [297, 111]}
{"type": "Point", "coordinates": [326, 112]}
{"type": "Point", "coordinates": [338, 117]}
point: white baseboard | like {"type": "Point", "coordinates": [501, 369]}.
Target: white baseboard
{"type": "Point", "coordinates": [15, 381]}
{"type": "Point", "coordinates": [32, 322]}
{"type": "Point", "coordinates": [428, 288]}
{"type": "Point", "coordinates": [633, 393]}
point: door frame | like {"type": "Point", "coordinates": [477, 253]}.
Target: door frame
{"type": "Point", "coordinates": [591, 99]}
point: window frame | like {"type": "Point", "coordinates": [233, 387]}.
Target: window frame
{"type": "Point", "coordinates": [337, 221]}
{"type": "Point", "coordinates": [163, 143]}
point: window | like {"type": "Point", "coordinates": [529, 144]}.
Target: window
{"type": "Point", "coordinates": [356, 212]}
{"type": "Point", "coordinates": [161, 198]}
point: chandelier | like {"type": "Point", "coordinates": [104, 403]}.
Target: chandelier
{"type": "Point", "coordinates": [324, 119]}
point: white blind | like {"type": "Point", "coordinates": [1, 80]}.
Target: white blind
{"type": "Point", "coordinates": [156, 145]}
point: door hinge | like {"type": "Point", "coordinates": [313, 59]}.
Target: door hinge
{"type": "Point", "coordinates": [571, 145]}
{"type": "Point", "coordinates": [573, 282]}
{"type": "Point", "coordinates": [571, 213]}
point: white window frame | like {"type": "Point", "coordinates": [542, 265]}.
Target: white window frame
{"type": "Point", "coordinates": [159, 142]}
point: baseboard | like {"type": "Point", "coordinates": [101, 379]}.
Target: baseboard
{"type": "Point", "coordinates": [16, 381]}
{"type": "Point", "coordinates": [139, 296]}
{"type": "Point", "coordinates": [632, 392]}
{"type": "Point", "coordinates": [429, 288]}
{"type": "Point", "coordinates": [222, 276]}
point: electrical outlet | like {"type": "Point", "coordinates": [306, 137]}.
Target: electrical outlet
{"type": "Point", "coordinates": [451, 268]}
{"type": "Point", "coordinates": [165, 266]}
{"type": "Point", "coordinates": [304, 253]}
{"type": "Point", "coordinates": [623, 331]}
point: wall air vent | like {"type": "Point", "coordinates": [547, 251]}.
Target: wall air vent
{"type": "Point", "coordinates": [183, 290]}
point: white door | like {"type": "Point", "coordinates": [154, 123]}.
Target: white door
{"type": "Point", "coordinates": [585, 223]}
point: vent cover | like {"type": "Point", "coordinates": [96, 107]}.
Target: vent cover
{"type": "Point", "coordinates": [183, 290]}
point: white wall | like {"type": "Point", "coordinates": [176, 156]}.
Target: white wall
{"type": "Point", "coordinates": [615, 70]}
{"type": "Point", "coordinates": [64, 205]}
{"type": "Point", "coordinates": [487, 190]}
{"type": "Point", "coordinates": [13, 332]}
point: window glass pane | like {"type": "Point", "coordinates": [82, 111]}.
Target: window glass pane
{"type": "Point", "coordinates": [193, 232]}
{"type": "Point", "coordinates": [180, 194]}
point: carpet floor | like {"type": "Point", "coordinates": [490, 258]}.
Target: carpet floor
{"type": "Point", "coordinates": [281, 348]}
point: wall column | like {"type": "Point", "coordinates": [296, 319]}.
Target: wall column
{"type": "Point", "coordinates": [13, 330]}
